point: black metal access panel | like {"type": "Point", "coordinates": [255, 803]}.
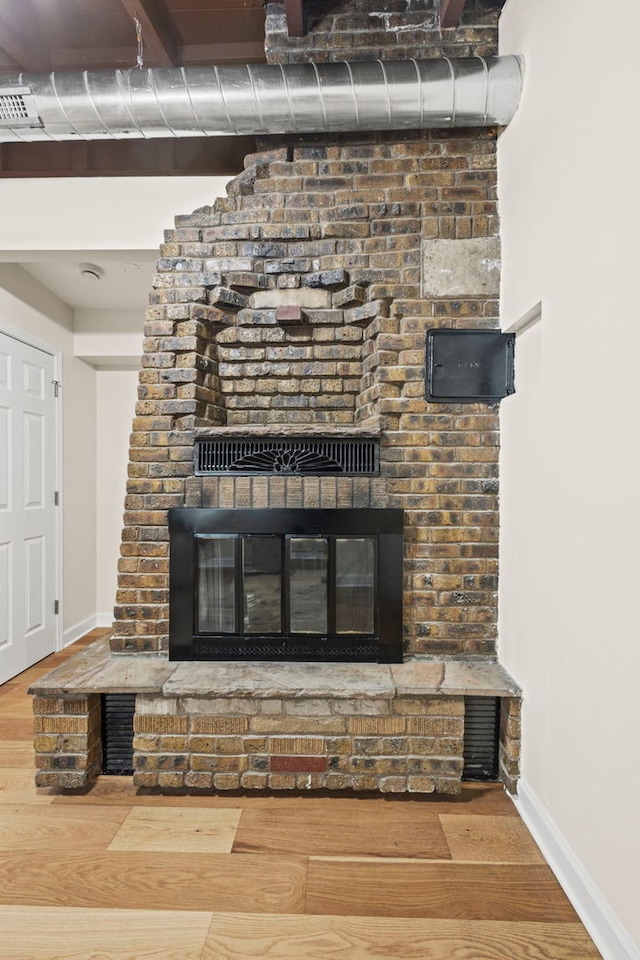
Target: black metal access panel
{"type": "Point", "coordinates": [282, 584]}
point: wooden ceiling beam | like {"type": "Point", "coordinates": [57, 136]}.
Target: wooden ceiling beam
{"type": "Point", "coordinates": [250, 51]}
{"type": "Point", "coordinates": [103, 58]}
{"type": "Point", "coordinates": [296, 14]}
{"type": "Point", "coordinates": [189, 156]}
{"type": "Point", "coordinates": [157, 33]}
{"type": "Point", "coordinates": [450, 12]}
{"type": "Point", "coordinates": [20, 38]}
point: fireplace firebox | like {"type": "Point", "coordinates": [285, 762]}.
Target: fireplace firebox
{"type": "Point", "coordinates": [286, 584]}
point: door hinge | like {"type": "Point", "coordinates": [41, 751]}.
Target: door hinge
{"type": "Point", "coordinates": [56, 388]}
{"type": "Point", "coordinates": [56, 498]}
{"type": "Point", "coordinates": [56, 607]}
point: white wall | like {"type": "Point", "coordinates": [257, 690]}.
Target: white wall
{"type": "Point", "coordinates": [116, 397]}
{"type": "Point", "coordinates": [89, 215]}
{"type": "Point", "coordinates": [570, 209]}
{"type": "Point", "coordinates": [98, 213]}
{"type": "Point", "coordinates": [26, 305]}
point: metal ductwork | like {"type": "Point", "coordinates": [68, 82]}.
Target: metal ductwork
{"type": "Point", "coordinates": [262, 99]}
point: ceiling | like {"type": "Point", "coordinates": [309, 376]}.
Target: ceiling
{"type": "Point", "coordinates": [42, 35]}
{"type": "Point", "coordinates": [97, 284]}
{"type": "Point", "coordinates": [37, 36]}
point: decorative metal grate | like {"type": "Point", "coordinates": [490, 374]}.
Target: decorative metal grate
{"type": "Point", "coordinates": [287, 457]}
{"type": "Point", "coordinates": [117, 733]}
{"type": "Point", "coordinates": [481, 728]}
{"type": "Point", "coordinates": [17, 108]}
{"type": "Point", "coordinates": [350, 650]}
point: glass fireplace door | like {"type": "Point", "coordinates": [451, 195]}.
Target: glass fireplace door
{"type": "Point", "coordinates": [285, 585]}
{"type": "Point", "coordinates": [252, 585]}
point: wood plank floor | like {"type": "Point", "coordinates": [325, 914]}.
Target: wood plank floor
{"type": "Point", "coordinates": [126, 874]}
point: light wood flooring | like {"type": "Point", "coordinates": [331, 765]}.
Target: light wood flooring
{"type": "Point", "coordinates": [119, 874]}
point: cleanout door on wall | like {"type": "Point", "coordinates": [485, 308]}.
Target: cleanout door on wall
{"type": "Point", "coordinates": [27, 510]}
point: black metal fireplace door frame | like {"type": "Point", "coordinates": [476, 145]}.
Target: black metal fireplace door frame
{"type": "Point", "coordinates": [384, 645]}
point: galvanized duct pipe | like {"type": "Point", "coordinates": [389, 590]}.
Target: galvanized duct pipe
{"type": "Point", "coordinates": [262, 99]}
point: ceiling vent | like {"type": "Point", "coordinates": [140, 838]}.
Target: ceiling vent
{"type": "Point", "coordinates": [18, 108]}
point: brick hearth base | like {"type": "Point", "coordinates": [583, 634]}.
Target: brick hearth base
{"type": "Point", "coordinates": [276, 726]}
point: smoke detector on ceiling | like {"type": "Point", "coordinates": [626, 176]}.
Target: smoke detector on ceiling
{"type": "Point", "coordinates": [91, 271]}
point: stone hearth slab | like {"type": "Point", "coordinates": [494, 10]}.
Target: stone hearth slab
{"type": "Point", "coordinates": [416, 677]}
{"type": "Point", "coordinates": [97, 670]}
{"type": "Point", "coordinates": [477, 679]}
{"type": "Point", "coordinates": [269, 680]}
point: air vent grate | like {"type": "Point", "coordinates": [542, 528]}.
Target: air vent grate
{"type": "Point", "coordinates": [481, 727]}
{"type": "Point", "coordinates": [117, 733]}
{"type": "Point", "coordinates": [351, 650]}
{"type": "Point", "coordinates": [17, 108]}
{"type": "Point", "coordinates": [287, 457]}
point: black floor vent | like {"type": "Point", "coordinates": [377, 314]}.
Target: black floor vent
{"type": "Point", "coordinates": [481, 728]}
{"type": "Point", "coordinates": [287, 457]}
{"type": "Point", "coordinates": [117, 733]}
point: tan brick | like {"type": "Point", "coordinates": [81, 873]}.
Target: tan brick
{"type": "Point", "coordinates": [46, 743]}
{"type": "Point", "coordinates": [148, 723]}
{"type": "Point", "coordinates": [145, 744]}
{"type": "Point", "coordinates": [298, 725]}
{"type": "Point", "coordinates": [435, 726]}
{"type": "Point", "coordinates": [203, 762]}
{"type": "Point", "coordinates": [392, 784]}
{"type": "Point", "coordinates": [226, 745]}
{"type": "Point", "coordinates": [254, 781]}
{"type": "Point", "coordinates": [376, 725]}
{"type": "Point", "coordinates": [365, 708]}
{"type": "Point", "coordinates": [420, 784]}
{"type": "Point", "coordinates": [307, 708]}
{"type": "Point", "coordinates": [172, 744]}
{"type": "Point", "coordinates": [296, 745]}
{"type": "Point", "coordinates": [254, 744]}
{"type": "Point", "coordinates": [64, 780]}
{"type": "Point", "coordinates": [198, 780]}
{"type": "Point", "coordinates": [171, 781]}
{"type": "Point", "coordinates": [202, 745]}
{"type": "Point", "coordinates": [338, 781]}
{"type": "Point", "coordinates": [220, 725]}
{"type": "Point", "coordinates": [282, 781]}
{"type": "Point", "coordinates": [226, 781]}
{"type": "Point", "coordinates": [365, 782]}
{"type": "Point", "coordinates": [60, 724]}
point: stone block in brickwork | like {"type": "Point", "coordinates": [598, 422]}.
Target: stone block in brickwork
{"type": "Point", "coordinates": [350, 296]}
{"type": "Point", "coordinates": [227, 299]}
{"type": "Point", "coordinates": [307, 298]}
{"type": "Point", "coordinates": [461, 268]}
{"type": "Point", "coordinates": [294, 265]}
{"type": "Point", "coordinates": [246, 280]}
{"type": "Point", "coordinates": [326, 279]}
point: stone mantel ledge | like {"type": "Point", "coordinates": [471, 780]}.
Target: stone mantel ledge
{"type": "Point", "coordinates": [95, 670]}
{"type": "Point", "coordinates": [270, 431]}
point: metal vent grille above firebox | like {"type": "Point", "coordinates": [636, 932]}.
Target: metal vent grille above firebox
{"type": "Point", "coordinates": [299, 456]}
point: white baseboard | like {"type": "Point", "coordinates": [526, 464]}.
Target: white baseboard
{"type": "Point", "coordinates": [71, 634]}
{"type": "Point", "coordinates": [610, 938]}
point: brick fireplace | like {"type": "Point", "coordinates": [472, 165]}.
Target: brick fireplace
{"type": "Point", "coordinates": [296, 309]}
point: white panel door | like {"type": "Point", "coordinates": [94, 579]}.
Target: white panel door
{"type": "Point", "coordinates": [27, 510]}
